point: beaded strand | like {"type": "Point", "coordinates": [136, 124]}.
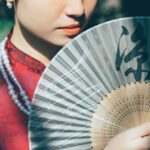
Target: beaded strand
{"type": "Point", "coordinates": [4, 60]}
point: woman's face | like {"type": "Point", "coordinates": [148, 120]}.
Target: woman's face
{"type": "Point", "coordinates": [55, 21]}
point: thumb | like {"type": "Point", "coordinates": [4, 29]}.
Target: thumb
{"type": "Point", "coordinates": [142, 130]}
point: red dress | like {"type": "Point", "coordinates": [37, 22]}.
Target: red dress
{"type": "Point", "coordinates": [13, 122]}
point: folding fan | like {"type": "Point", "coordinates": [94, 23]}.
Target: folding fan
{"type": "Point", "coordinates": [96, 87]}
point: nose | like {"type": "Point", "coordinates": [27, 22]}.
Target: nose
{"type": "Point", "coordinates": [75, 8]}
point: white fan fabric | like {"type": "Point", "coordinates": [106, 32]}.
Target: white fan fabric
{"type": "Point", "coordinates": [87, 69]}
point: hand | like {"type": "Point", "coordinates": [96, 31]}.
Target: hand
{"type": "Point", "coordinates": [137, 138]}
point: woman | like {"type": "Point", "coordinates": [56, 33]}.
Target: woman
{"type": "Point", "coordinates": [41, 29]}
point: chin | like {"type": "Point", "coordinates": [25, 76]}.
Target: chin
{"type": "Point", "coordinates": [63, 42]}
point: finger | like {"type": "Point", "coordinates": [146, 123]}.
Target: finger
{"type": "Point", "coordinates": [142, 130]}
{"type": "Point", "coordinates": [106, 148]}
{"type": "Point", "coordinates": [141, 143]}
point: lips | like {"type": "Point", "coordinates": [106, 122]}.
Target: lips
{"type": "Point", "coordinates": [72, 29]}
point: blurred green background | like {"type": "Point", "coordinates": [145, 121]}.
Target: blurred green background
{"type": "Point", "coordinates": [106, 10]}
{"type": "Point", "coordinates": [6, 19]}
{"type": "Point", "coordinates": [5, 25]}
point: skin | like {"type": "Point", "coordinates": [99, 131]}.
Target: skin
{"type": "Point", "coordinates": [137, 138]}
{"type": "Point", "coordinates": [39, 33]}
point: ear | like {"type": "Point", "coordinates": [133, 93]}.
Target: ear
{"type": "Point", "coordinates": [9, 3]}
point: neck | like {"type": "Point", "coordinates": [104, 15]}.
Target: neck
{"type": "Point", "coordinates": [33, 46]}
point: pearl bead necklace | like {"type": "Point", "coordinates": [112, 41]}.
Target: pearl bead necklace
{"type": "Point", "coordinates": [4, 60]}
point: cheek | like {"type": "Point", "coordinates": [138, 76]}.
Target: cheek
{"type": "Point", "coordinates": [34, 19]}
{"type": "Point", "coordinates": [38, 16]}
{"type": "Point", "coordinates": [90, 6]}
